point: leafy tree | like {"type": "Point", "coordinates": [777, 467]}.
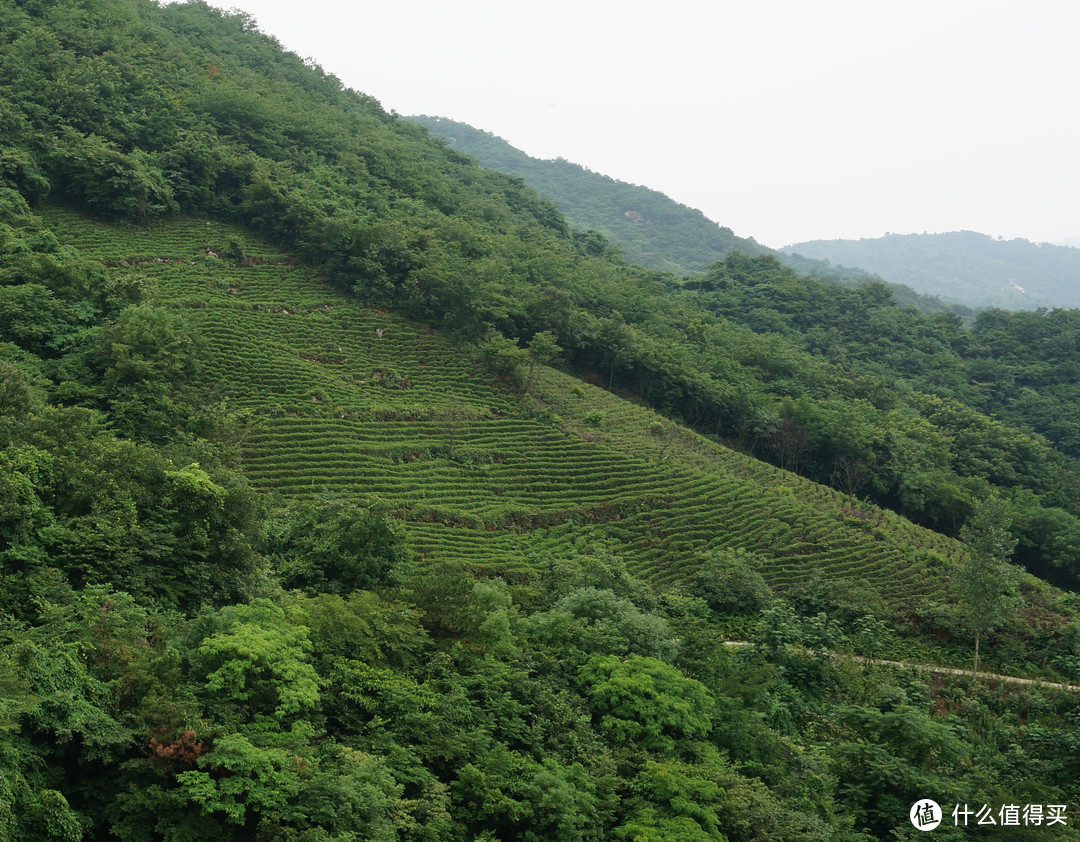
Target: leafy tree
{"type": "Point", "coordinates": [337, 548]}
{"type": "Point", "coordinates": [239, 781]}
{"type": "Point", "coordinates": [645, 700]}
{"type": "Point", "coordinates": [32, 317]}
{"type": "Point", "coordinates": [93, 171]}
{"type": "Point", "coordinates": [24, 472]}
{"type": "Point", "coordinates": [590, 621]}
{"type": "Point", "coordinates": [455, 421]}
{"type": "Point", "coordinates": [986, 583]}
{"type": "Point", "coordinates": [506, 793]}
{"type": "Point", "coordinates": [892, 758]}
{"type": "Point", "coordinates": [504, 357]}
{"type": "Point", "coordinates": [730, 582]}
{"type": "Point", "coordinates": [543, 350]}
{"type": "Point", "coordinates": [617, 340]}
{"type": "Point", "coordinates": [871, 635]}
{"type": "Point", "coordinates": [379, 630]}
{"type": "Point", "coordinates": [256, 668]}
{"type": "Point", "coordinates": [70, 723]}
{"type": "Point", "coordinates": [780, 626]}
{"type": "Point", "coordinates": [789, 434]}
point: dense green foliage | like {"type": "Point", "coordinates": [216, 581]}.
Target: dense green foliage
{"type": "Point", "coordinates": [648, 227]}
{"type": "Point", "coordinates": [280, 563]}
{"type": "Point", "coordinates": [914, 424]}
{"type": "Point", "coordinates": [963, 266]}
{"type": "Point", "coordinates": [397, 218]}
{"type": "Point", "coordinates": [563, 699]}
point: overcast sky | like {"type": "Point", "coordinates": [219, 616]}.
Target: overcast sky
{"type": "Point", "coordinates": [785, 120]}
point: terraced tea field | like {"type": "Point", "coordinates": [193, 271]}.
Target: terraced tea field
{"type": "Point", "coordinates": [369, 407]}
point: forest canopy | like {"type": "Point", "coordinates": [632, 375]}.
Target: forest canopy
{"type": "Point", "coordinates": [183, 656]}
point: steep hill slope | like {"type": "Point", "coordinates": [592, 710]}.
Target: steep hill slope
{"type": "Point", "coordinates": [300, 539]}
{"type": "Point", "coordinates": [963, 265]}
{"type": "Point", "coordinates": [752, 354]}
{"type": "Point", "coordinates": [650, 228]}
{"type": "Point", "coordinates": [228, 663]}
{"type": "Point", "coordinates": [365, 406]}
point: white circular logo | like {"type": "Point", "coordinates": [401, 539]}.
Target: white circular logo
{"type": "Point", "coordinates": [925, 814]}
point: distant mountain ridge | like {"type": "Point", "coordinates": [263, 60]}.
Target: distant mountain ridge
{"type": "Point", "coordinates": [301, 538]}
{"type": "Point", "coordinates": [651, 228]}
{"type": "Point", "coordinates": [971, 267]}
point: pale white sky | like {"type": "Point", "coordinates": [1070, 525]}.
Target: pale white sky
{"type": "Point", "coordinates": [786, 120]}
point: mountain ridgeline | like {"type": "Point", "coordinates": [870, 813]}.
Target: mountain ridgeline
{"type": "Point", "coordinates": [647, 226]}
{"type": "Point", "coordinates": [964, 266]}
{"type": "Point", "coordinates": [348, 491]}
{"type": "Point", "coordinates": [650, 228]}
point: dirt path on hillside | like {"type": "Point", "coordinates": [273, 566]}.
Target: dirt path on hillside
{"type": "Point", "coordinates": [983, 676]}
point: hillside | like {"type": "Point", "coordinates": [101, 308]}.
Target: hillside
{"type": "Point", "coordinates": [837, 384]}
{"type": "Point", "coordinates": [963, 265]}
{"type": "Point", "coordinates": [646, 225]}
{"type": "Point", "coordinates": [370, 408]}
{"type": "Point", "coordinates": [347, 493]}
{"type": "Point", "coordinates": [650, 228]}
{"type": "Point", "coordinates": [349, 413]}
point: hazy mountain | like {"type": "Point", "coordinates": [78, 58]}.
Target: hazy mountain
{"type": "Point", "coordinates": [974, 268]}
{"type": "Point", "coordinates": [651, 228]}
{"type": "Point", "coordinates": [347, 493]}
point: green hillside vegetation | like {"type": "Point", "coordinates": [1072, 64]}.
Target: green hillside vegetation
{"type": "Point", "coordinates": [303, 536]}
{"type": "Point", "coordinates": [359, 405]}
{"type": "Point", "coordinates": [647, 226]}
{"type": "Point", "coordinates": [392, 215]}
{"type": "Point", "coordinates": [963, 265]}
{"type": "Point", "coordinates": [428, 564]}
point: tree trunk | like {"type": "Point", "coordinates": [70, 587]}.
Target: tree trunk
{"type": "Point", "coordinates": [975, 668]}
